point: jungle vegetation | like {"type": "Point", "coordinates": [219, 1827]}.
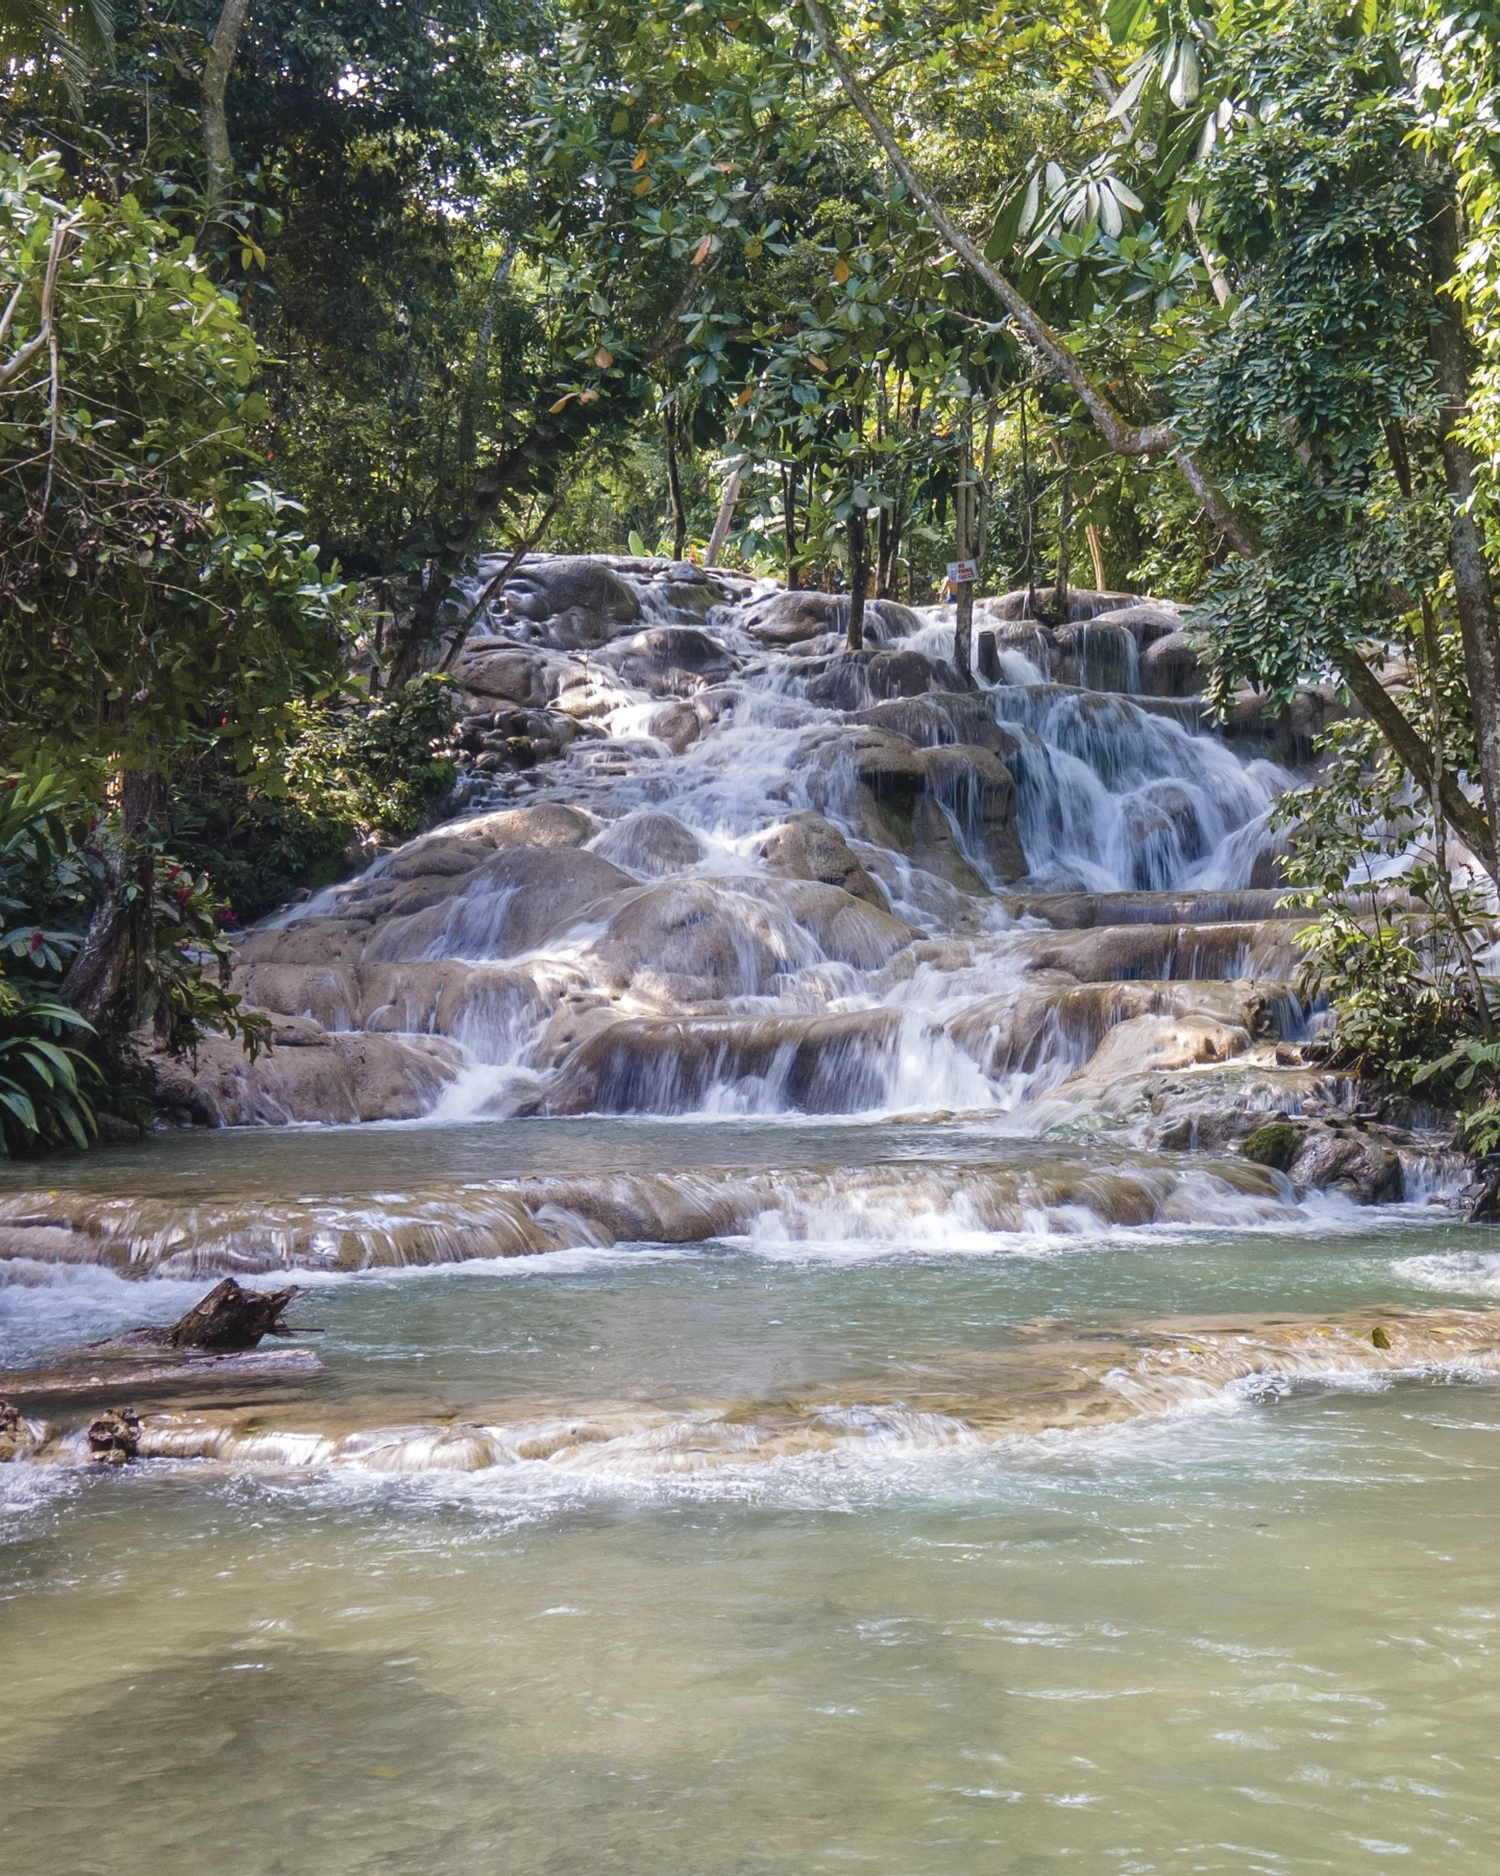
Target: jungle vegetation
{"type": "Point", "coordinates": [303, 303]}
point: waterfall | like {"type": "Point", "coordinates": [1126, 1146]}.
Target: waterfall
{"type": "Point", "coordinates": [767, 876]}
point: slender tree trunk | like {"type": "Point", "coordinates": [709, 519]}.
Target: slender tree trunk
{"type": "Point", "coordinates": [963, 542]}
{"type": "Point", "coordinates": [789, 523]}
{"type": "Point", "coordinates": [1028, 516]}
{"type": "Point", "coordinates": [674, 484]}
{"type": "Point", "coordinates": [725, 519]}
{"type": "Point", "coordinates": [1473, 598]}
{"type": "Point", "coordinates": [479, 371]}
{"type": "Point", "coordinates": [858, 530]}
{"type": "Point", "coordinates": [1096, 554]}
{"type": "Point", "coordinates": [883, 555]}
{"type": "Point", "coordinates": [1064, 524]}
{"type": "Point", "coordinates": [218, 63]}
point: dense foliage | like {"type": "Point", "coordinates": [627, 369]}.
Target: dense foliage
{"type": "Point", "coordinates": [1168, 294]}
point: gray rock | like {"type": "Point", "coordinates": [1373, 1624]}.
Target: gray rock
{"type": "Point", "coordinates": [514, 676]}
{"type": "Point", "coordinates": [651, 844]}
{"type": "Point", "coordinates": [670, 660]}
{"type": "Point", "coordinates": [1146, 620]}
{"type": "Point", "coordinates": [856, 679]}
{"type": "Point", "coordinates": [1082, 603]}
{"type": "Point", "coordinates": [1170, 667]}
{"type": "Point", "coordinates": [781, 620]}
{"type": "Point", "coordinates": [570, 602]}
{"type": "Point", "coordinates": [1095, 655]}
{"type": "Point", "coordinates": [808, 847]}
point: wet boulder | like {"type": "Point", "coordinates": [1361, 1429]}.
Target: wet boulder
{"type": "Point", "coordinates": [307, 1075]}
{"type": "Point", "coordinates": [1142, 1043]}
{"type": "Point", "coordinates": [472, 1002]}
{"type": "Point", "coordinates": [846, 930]}
{"type": "Point", "coordinates": [1170, 667]}
{"type": "Point", "coordinates": [1037, 643]}
{"type": "Point", "coordinates": [816, 1064]}
{"type": "Point", "coordinates": [1262, 949]}
{"type": "Point", "coordinates": [808, 847]}
{"type": "Point", "coordinates": [1329, 1156]}
{"type": "Point", "coordinates": [511, 675]}
{"type": "Point", "coordinates": [114, 1438]}
{"type": "Point", "coordinates": [1094, 655]}
{"type": "Point", "coordinates": [515, 739]}
{"type": "Point", "coordinates": [18, 1435]}
{"type": "Point", "coordinates": [1080, 603]}
{"type": "Point", "coordinates": [857, 679]}
{"type": "Point", "coordinates": [670, 660]}
{"type": "Point", "coordinates": [944, 716]}
{"type": "Point", "coordinates": [951, 809]}
{"type": "Point", "coordinates": [1147, 620]}
{"type": "Point", "coordinates": [693, 941]}
{"type": "Point", "coordinates": [976, 791]}
{"type": "Point", "coordinates": [1071, 1026]}
{"type": "Point", "coordinates": [1162, 826]}
{"type": "Point", "coordinates": [512, 903]}
{"type": "Point", "coordinates": [652, 844]}
{"type": "Point", "coordinates": [781, 620]}
{"type": "Point", "coordinates": [569, 602]}
{"type": "Point", "coordinates": [679, 725]}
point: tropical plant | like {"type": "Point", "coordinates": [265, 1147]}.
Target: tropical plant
{"type": "Point", "coordinates": [44, 1080]}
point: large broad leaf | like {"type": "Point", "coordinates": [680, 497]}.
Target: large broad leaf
{"type": "Point", "coordinates": [1123, 18]}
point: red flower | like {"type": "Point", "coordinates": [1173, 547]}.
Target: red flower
{"type": "Point", "coordinates": [36, 941]}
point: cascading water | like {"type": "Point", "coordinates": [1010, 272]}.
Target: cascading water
{"type": "Point", "coordinates": [822, 1374]}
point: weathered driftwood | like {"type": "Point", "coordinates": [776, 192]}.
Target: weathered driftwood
{"type": "Point", "coordinates": [231, 1318]}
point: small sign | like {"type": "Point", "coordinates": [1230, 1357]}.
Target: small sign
{"type": "Point", "coordinates": [962, 572]}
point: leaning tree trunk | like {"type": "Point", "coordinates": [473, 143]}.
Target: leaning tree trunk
{"type": "Point", "coordinates": [1473, 598]}
{"type": "Point", "coordinates": [1238, 529]}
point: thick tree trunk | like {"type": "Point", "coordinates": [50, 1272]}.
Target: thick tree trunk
{"type": "Point", "coordinates": [858, 530]}
{"type": "Point", "coordinates": [106, 977]}
{"type": "Point", "coordinates": [789, 525]}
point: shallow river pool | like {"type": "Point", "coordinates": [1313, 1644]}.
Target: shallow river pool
{"type": "Point", "coordinates": [1118, 1549]}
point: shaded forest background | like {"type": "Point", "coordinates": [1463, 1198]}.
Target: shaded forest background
{"type": "Point", "coordinates": [310, 304]}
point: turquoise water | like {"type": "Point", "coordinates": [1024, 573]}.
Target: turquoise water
{"type": "Point", "coordinates": [1253, 1628]}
